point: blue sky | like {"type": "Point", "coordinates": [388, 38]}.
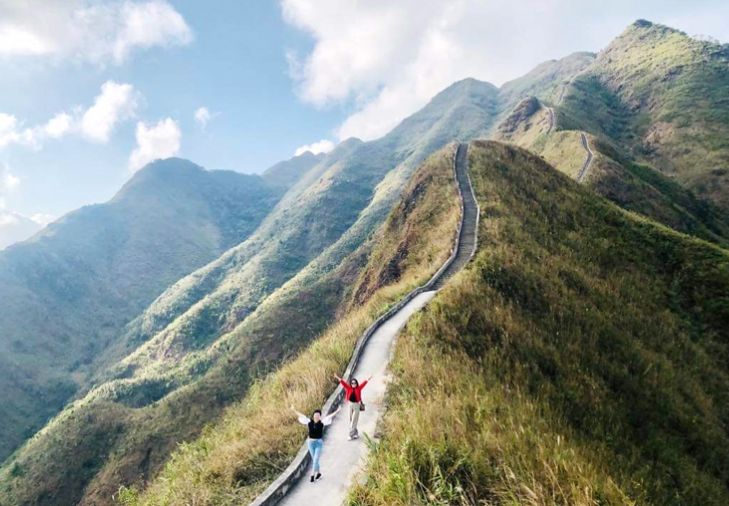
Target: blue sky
{"type": "Point", "coordinates": [122, 79]}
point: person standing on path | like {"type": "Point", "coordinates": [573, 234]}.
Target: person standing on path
{"type": "Point", "coordinates": [315, 442]}
{"type": "Point", "coordinates": [353, 394]}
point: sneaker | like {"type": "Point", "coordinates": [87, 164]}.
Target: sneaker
{"type": "Point", "coordinates": [312, 478]}
{"type": "Point", "coordinates": [318, 476]}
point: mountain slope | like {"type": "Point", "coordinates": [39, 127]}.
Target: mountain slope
{"type": "Point", "coordinates": [72, 287]}
{"type": "Point", "coordinates": [660, 95]}
{"type": "Point", "coordinates": [613, 174]}
{"type": "Point", "coordinates": [580, 359]}
{"type": "Point", "coordinates": [194, 350]}
{"type": "Point", "coordinates": [237, 457]}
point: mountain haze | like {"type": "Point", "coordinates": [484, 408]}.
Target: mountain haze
{"type": "Point", "coordinates": [70, 289]}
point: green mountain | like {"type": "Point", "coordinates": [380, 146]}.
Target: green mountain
{"type": "Point", "coordinates": [581, 358]}
{"type": "Point", "coordinates": [345, 234]}
{"type": "Point", "coordinates": [69, 290]}
{"type": "Point", "coordinates": [200, 344]}
{"type": "Point", "coordinates": [660, 96]}
{"type": "Point", "coordinates": [613, 173]}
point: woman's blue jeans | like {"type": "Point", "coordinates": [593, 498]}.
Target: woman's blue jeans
{"type": "Point", "coordinates": [315, 446]}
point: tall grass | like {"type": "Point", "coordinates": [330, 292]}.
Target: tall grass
{"type": "Point", "coordinates": [580, 359]}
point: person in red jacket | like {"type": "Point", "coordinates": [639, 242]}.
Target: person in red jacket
{"type": "Point", "coordinates": [353, 394]}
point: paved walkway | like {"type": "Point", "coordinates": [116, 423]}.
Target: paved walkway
{"type": "Point", "coordinates": [342, 459]}
{"type": "Point", "coordinates": [588, 160]}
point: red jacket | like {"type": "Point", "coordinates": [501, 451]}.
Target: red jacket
{"type": "Point", "coordinates": [357, 390]}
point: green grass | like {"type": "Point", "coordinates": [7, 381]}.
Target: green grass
{"type": "Point", "coordinates": [580, 359]}
{"type": "Point", "coordinates": [239, 455]}
{"type": "Point", "coordinates": [661, 96]}
{"type": "Point", "coordinates": [613, 174]}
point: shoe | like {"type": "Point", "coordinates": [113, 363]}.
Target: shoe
{"type": "Point", "coordinates": [312, 478]}
{"type": "Point", "coordinates": [318, 476]}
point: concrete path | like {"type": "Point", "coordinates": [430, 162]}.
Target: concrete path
{"type": "Point", "coordinates": [551, 120]}
{"type": "Point", "coordinates": [588, 161]}
{"type": "Point", "coordinates": [342, 459]}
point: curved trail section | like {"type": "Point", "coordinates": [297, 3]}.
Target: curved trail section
{"type": "Point", "coordinates": [342, 459]}
{"type": "Point", "coordinates": [585, 166]}
{"type": "Point", "coordinates": [551, 120]}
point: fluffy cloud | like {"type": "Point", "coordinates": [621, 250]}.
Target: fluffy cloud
{"type": "Point", "coordinates": [58, 126]}
{"type": "Point", "coordinates": [91, 30]}
{"type": "Point", "coordinates": [156, 141]}
{"type": "Point", "coordinates": [203, 116]}
{"type": "Point", "coordinates": [387, 59]}
{"type": "Point", "coordinates": [116, 102]}
{"type": "Point", "coordinates": [323, 146]}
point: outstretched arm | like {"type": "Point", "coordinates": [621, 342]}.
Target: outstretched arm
{"type": "Point", "coordinates": [365, 383]}
{"type": "Point", "coordinates": [303, 419]}
{"type": "Point", "coordinates": [327, 420]}
{"type": "Point", "coordinates": [341, 381]}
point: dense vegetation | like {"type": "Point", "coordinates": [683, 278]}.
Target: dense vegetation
{"type": "Point", "coordinates": [580, 359]}
{"type": "Point", "coordinates": [67, 292]}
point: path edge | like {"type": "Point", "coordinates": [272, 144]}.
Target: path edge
{"type": "Point", "coordinates": [281, 485]}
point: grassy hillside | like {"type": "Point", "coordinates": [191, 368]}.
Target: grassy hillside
{"type": "Point", "coordinates": [580, 359]}
{"type": "Point", "coordinates": [661, 95]}
{"type": "Point", "coordinates": [198, 347]}
{"type": "Point", "coordinates": [238, 456]}
{"type": "Point", "coordinates": [69, 290]}
{"type": "Point", "coordinates": [613, 173]}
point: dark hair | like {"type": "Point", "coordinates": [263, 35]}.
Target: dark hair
{"type": "Point", "coordinates": [354, 380]}
{"type": "Point", "coordinates": [317, 411]}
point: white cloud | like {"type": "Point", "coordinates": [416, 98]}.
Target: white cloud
{"type": "Point", "coordinates": [387, 59]}
{"type": "Point", "coordinates": [115, 103]}
{"type": "Point", "coordinates": [8, 181]}
{"type": "Point", "coordinates": [157, 141]}
{"type": "Point", "coordinates": [91, 30]}
{"type": "Point", "coordinates": [42, 219]}
{"type": "Point", "coordinates": [58, 126]}
{"type": "Point", "coordinates": [203, 116]}
{"type": "Point", "coordinates": [323, 146]}
{"type": "Point", "coordinates": [15, 227]}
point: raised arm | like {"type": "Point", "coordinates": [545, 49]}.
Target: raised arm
{"type": "Point", "coordinates": [364, 383]}
{"type": "Point", "coordinates": [341, 381]}
{"type": "Point", "coordinates": [303, 419]}
{"type": "Point", "coordinates": [327, 420]}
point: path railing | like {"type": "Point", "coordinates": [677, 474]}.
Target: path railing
{"type": "Point", "coordinates": [278, 489]}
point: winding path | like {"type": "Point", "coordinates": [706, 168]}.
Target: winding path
{"type": "Point", "coordinates": [588, 161]}
{"type": "Point", "coordinates": [551, 120]}
{"type": "Point", "coordinates": [341, 459]}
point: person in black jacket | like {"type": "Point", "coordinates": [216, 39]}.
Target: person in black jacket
{"type": "Point", "coordinates": [315, 442]}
